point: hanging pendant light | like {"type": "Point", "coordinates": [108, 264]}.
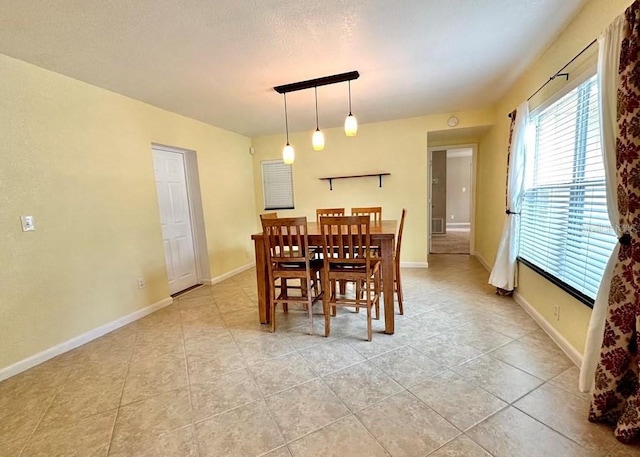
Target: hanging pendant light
{"type": "Point", "coordinates": [317, 140]}
{"type": "Point", "coordinates": [288, 154]}
{"type": "Point", "coordinates": [350, 123]}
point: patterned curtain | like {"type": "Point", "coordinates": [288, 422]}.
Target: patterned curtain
{"type": "Point", "coordinates": [616, 396]}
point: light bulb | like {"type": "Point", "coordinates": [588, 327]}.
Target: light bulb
{"type": "Point", "coordinates": [288, 154]}
{"type": "Point", "coordinates": [350, 125]}
{"type": "Point", "coordinates": [317, 140]}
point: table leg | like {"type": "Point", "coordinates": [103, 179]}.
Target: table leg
{"type": "Point", "coordinates": [262, 282]}
{"type": "Point", "coordinates": [386, 248]}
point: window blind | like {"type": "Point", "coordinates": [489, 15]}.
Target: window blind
{"type": "Point", "coordinates": [277, 182]}
{"type": "Point", "coordinates": [565, 229]}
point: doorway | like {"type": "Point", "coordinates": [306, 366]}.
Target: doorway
{"type": "Point", "coordinates": [179, 206]}
{"type": "Point", "coordinates": [451, 200]}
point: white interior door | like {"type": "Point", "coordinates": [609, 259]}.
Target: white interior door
{"type": "Point", "coordinates": [175, 218]}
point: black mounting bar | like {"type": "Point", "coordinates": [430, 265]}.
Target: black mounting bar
{"type": "Point", "coordinates": [325, 80]}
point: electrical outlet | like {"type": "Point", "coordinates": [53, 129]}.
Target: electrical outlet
{"type": "Point", "coordinates": [453, 217]}
{"type": "Point", "coordinates": [28, 225]}
{"type": "Point", "coordinates": [141, 283]}
{"type": "Point", "coordinates": [556, 312]}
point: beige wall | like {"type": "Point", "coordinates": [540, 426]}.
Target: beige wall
{"type": "Point", "coordinates": [541, 294]}
{"type": "Point", "coordinates": [79, 160]}
{"type": "Point", "coordinates": [458, 178]}
{"type": "Point", "coordinates": [397, 147]}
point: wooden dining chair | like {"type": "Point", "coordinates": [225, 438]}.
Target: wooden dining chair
{"type": "Point", "coordinates": [347, 257]}
{"type": "Point", "coordinates": [397, 283]}
{"type": "Point", "coordinates": [374, 212]}
{"type": "Point", "coordinates": [286, 247]}
{"type": "Point", "coordinates": [328, 212]}
{"type": "Point", "coordinates": [268, 216]}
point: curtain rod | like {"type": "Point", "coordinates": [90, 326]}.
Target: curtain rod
{"type": "Point", "coordinates": [559, 72]}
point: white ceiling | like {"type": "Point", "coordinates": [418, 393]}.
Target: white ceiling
{"type": "Point", "coordinates": [218, 60]}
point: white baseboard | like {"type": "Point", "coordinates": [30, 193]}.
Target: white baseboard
{"type": "Point", "coordinates": [73, 343]}
{"type": "Point", "coordinates": [458, 224]}
{"type": "Point", "coordinates": [217, 279]}
{"type": "Point", "coordinates": [482, 261]}
{"type": "Point", "coordinates": [414, 264]}
{"type": "Point", "coordinates": [557, 338]}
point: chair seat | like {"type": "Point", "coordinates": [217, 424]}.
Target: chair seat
{"type": "Point", "coordinates": [313, 263]}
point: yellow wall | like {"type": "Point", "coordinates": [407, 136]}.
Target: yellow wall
{"type": "Point", "coordinates": [397, 147]}
{"type": "Point", "coordinates": [78, 158]}
{"type": "Point", "coordinates": [541, 294]}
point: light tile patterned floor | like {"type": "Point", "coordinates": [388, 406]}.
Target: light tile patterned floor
{"type": "Point", "coordinates": [467, 373]}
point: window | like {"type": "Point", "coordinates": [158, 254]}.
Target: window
{"type": "Point", "coordinates": [565, 232]}
{"type": "Point", "coordinates": [277, 185]}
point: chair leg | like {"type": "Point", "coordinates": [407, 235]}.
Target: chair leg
{"type": "Point", "coordinates": [369, 325]}
{"type": "Point", "coordinates": [284, 292]}
{"type": "Point", "coordinates": [334, 310]}
{"type": "Point", "coordinates": [376, 292]}
{"type": "Point", "coordinates": [398, 286]}
{"type": "Point", "coordinates": [272, 306]}
{"type": "Point", "coordinates": [326, 294]}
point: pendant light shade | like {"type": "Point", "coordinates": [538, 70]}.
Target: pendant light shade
{"type": "Point", "coordinates": [317, 140]}
{"type": "Point", "coordinates": [350, 123]}
{"type": "Point", "coordinates": [288, 154]}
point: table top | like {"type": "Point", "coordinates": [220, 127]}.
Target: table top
{"type": "Point", "coordinates": [382, 229]}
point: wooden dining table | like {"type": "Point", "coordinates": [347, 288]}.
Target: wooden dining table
{"type": "Point", "coordinates": [382, 235]}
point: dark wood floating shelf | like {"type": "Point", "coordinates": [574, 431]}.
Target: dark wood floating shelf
{"type": "Point", "coordinates": [331, 178]}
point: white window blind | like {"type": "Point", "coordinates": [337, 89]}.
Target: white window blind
{"type": "Point", "coordinates": [565, 230]}
{"type": "Point", "coordinates": [277, 183]}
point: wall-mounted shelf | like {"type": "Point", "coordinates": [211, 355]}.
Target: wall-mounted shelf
{"type": "Point", "coordinates": [331, 178]}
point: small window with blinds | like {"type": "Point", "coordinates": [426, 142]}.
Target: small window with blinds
{"type": "Point", "coordinates": [565, 233]}
{"type": "Point", "coordinates": [277, 184]}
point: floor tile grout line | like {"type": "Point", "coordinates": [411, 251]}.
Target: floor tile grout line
{"type": "Point", "coordinates": [29, 437]}
{"type": "Point", "coordinates": [186, 367]}
{"type": "Point", "coordinates": [124, 384]}
{"type": "Point", "coordinates": [551, 428]}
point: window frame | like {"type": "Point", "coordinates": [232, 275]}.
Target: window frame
{"type": "Point", "coordinates": [590, 72]}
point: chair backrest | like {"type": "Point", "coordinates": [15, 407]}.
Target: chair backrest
{"type": "Point", "coordinates": [328, 212]}
{"type": "Point", "coordinates": [269, 216]}
{"type": "Point", "coordinates": [399, 240]}
{"type": "Point", "coordinates": [285, 240]}
{"type": "Point", "coordinates": [346, 240]}
{"type": "Point", "coordinates": [374, 212]}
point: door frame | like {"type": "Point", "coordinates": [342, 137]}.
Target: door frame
{"type": "Point", "coordinates": [196, 213]}
{"type": "Point", "coordinates": [472, 206]}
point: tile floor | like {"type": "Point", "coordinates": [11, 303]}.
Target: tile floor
{"type": "Point", "coordinates": [467, 373]}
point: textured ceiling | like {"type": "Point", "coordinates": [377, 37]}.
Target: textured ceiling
{"type": "Point", "coordinates": [218, 60]}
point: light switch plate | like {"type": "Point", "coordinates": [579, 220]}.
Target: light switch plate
{"type": "Point", "coordinates": [28, 225]}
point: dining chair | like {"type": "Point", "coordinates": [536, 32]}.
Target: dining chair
{"type": "Point", "coordinates": [286, 247]}
{"type": "Point", "coordinates": [268, 216]}
{"type": "Point", "coordinates": [347, 257]}
{"type": "Point", "coordinates": [374, 212]}
{"type": "Point", "coordinates": [397, 283]}
{"type": "Point", "coordinates": [328, 212]}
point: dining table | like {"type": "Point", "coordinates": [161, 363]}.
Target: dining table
{"type": "Point", "coordinates": [382, 236]}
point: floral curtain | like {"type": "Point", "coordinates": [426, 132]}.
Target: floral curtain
{"type": "Point", "coordinates": [503, 273]}
{"type": "Point", "coordinates": [616, 395]}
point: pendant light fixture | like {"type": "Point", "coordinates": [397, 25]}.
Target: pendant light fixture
{"type": "Point", "coordinates": [350, 123]}
{"type": "Point", "coordinates": [288, 154]}
{"type": "Point", "coordinates": [317, 140]}
{"type": "Point", "coordinates": [318, 137]}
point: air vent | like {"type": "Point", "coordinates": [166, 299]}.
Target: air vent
{"type": "Point", "coordinates": [437, 225]}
